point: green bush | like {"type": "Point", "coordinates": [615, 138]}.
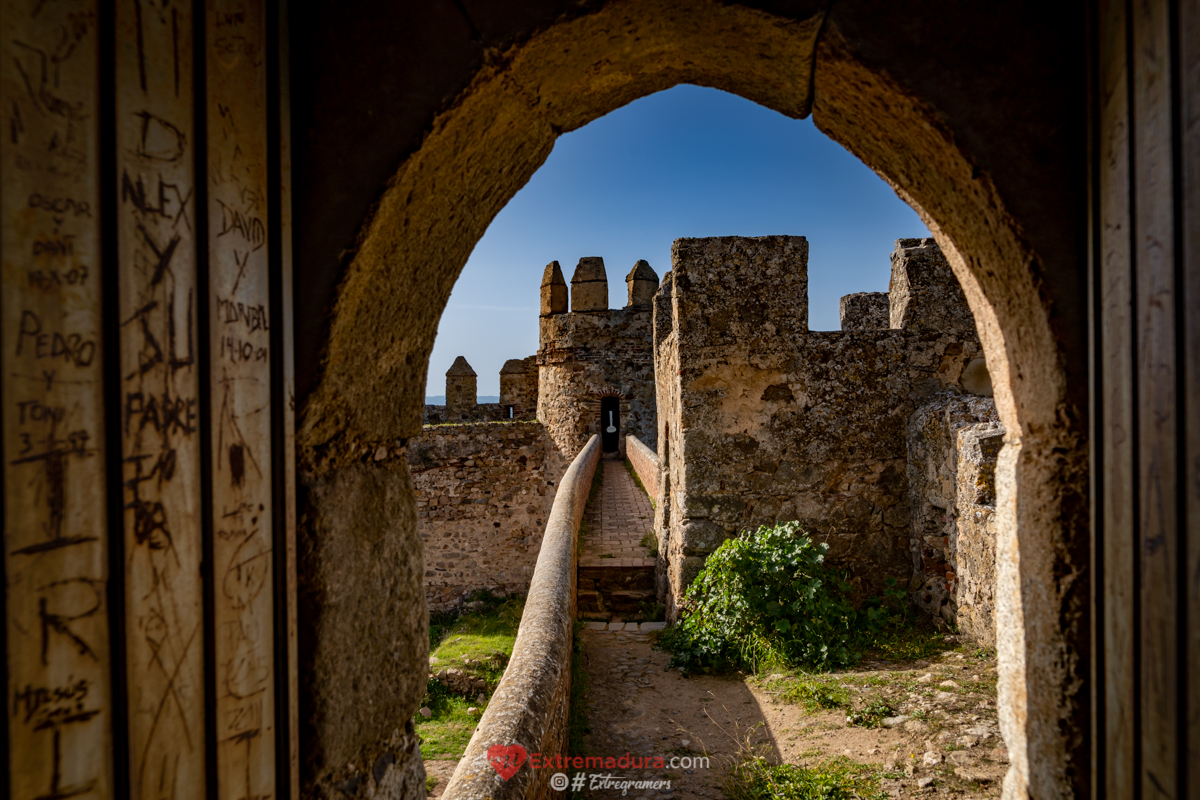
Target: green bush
{"type": "Point", "coordinates": [767, 597]}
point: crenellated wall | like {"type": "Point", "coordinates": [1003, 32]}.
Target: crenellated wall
{"type": "Point", "coordinates": [518, 394]}
{"type": "Point", "coordinates": [762, 420]}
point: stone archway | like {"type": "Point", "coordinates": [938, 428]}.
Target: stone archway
{"type": "Point", "coordinates": [484, 148]}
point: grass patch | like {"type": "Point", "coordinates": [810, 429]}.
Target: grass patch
{"type": "Point", "coordinates": [486, 635]}
{"type": "Point", "coordinates": [816, 692]}
{"type": "Point", "coordinates": [871, 715]}
{"type": "Point", "coordinates": [479, 642]}
{"type": "Point", "coordinates": [826, 692]}
{"type": "Point", "coordinates": [650, 542]}
{"type": "Point", "coordinates": [839, 778]}
{"type": "Point", "coordinates": [446, 733]}
{"type": "Point", "coordinates": [911, 642]}
{"type": "Point", "coordinates": [431, 783]}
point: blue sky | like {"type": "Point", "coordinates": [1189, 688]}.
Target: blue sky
{"type": "Point", "coordinates": [685, 162]}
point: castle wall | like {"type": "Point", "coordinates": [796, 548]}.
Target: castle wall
{"type": "Point", "coordinates": [763, 421]}
{"type": "Point", "coordinates": [484, 493]}
{"type": "Point", "coordinates": [480, 412]}
{"type": "Point", "coordinates": [585, 356]}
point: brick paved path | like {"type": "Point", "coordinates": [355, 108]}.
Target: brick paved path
{"type": "Point", "coordinates": [617, 519]}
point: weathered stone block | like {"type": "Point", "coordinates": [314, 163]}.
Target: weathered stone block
{"type": "Point", "coordinates": [733, 288]}
{"type": "Point", "coordinates": [642, 282]}
{"type": "Point", "coordinates": [924, 294]}
{"type": "Point", "coordinates": [700, 537]}
{"type": "Point", "coordinates": [554, 290]}
{"type": "Point", "coordinates": [589, 285]}
{"type": "Point", "coordinates": [865, 311]}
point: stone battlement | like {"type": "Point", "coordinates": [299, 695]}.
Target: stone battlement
{"type": "Point", "coordinates": [762, 420]}
{"type": "Point", "coordinates": [595, 361]}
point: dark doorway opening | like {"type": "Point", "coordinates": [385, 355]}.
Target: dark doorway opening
{"type": "Point", "coordinates": [610, 424]}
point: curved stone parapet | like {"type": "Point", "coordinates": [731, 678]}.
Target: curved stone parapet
{"type": "Point", "coordinates": [645, 464]}
{"type": "Point", "coordinates": [529, 707]}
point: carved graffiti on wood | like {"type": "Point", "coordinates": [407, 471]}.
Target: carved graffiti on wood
{"type": "Point", "coordinates": [160, 436]}
{"type": "Point", "coordinates": [241, 400]}
{"type": "Point", "coordinates": [55, 538]}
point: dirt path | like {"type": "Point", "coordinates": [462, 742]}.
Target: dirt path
{"type": "Point", "coordinates": [946, 742]}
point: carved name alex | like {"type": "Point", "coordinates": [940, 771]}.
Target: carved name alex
{"type": "Point", "coordinates": [164, 200]}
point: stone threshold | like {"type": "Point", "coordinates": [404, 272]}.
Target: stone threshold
{"type": "Point", "coordinates": [593, 562]}
{"type": "Point", "coordinates": [629, 627]}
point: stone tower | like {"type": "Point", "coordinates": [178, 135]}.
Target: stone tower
{"type": "Point", "coordinates": [595, 362]}
{"type": "Point", "coordinates": [643, 283]}
{"type": "Point", "coordinates": [461, 390]}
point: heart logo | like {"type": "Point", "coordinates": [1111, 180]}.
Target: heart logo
{"type": "Point", "coordinates": [506, 760]}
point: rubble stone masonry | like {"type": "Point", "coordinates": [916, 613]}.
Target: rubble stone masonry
{"type": "Point", "coordinates": [484, 492]}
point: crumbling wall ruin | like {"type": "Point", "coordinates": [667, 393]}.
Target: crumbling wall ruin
{"type": "Point", "coordinates": [953, 443]}
{"type": "Point", "coordinates": [762, 420]}
{"type": "Point", "coordinates": [484, 492]}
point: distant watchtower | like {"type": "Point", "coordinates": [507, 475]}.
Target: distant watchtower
{"type": "Point", "coordinates": [461, 390]}
{"type": "Point", "coordinates": [596, 364]}
{"type": "Point", "coordinates": [519, 387]}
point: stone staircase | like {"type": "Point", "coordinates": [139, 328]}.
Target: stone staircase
{"type": "Point", "coordinates": [623, 588]}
